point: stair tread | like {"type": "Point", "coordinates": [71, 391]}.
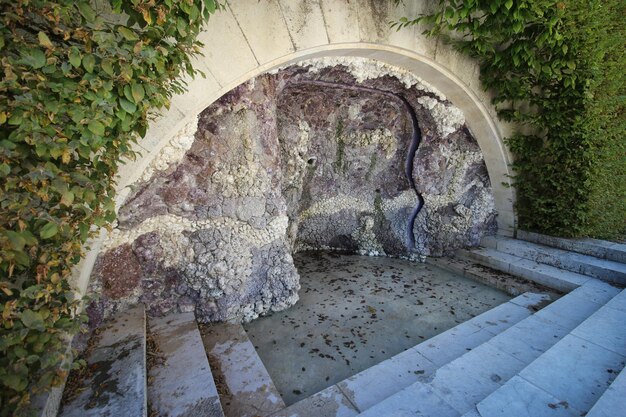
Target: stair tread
{"type": "Point", "coordinates": [547, 275]}
{"type": "Point", "coordinates": [174, 387]}
{"type": "Point", "coordinates": [594, 247]}
{"type": "Point", "coordinates": [571, 376]}
{"type": "Point", "coordinates": [416, 400]}
{"type": "Point", "coordinates": [563, 259]}
{"type": "Point", "coordinates": [477, 374]}
{"type": "Point", "coordinates": [611, 403]}
{"type": "Point", "coordinates": [380, 381]}
{"type": "Point", "coordinates": [520, 398]}
{"type": "Point", "coordinates": [248, 389]}
{"type": "Point", "coordinates": [117, 383]}
{"type": "Point", "coordinates": [328, 402]}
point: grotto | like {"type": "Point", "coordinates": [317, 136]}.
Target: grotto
{"type": "Point", "coordinates": [345, 154]}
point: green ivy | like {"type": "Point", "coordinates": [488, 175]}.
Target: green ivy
{"type": "Point", "coordinates": [556, 69]}
{"type": "Point", "coordinates": [78, 80]}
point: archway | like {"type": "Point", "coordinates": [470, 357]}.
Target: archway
{"type": "Point", "coordinates": [236, 51]}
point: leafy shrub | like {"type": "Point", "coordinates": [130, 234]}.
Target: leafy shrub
{"type": "Point", "coordinates": [557, 67]}
{"type": "Point", "coordinates": [78, 80]}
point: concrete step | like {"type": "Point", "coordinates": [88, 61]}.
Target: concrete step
{"type": "Point", "coordinates": [611, 403]}
{"type": "Point", "coordinates": [606, 270]}
{"type": "Point", "coordinates": [375, 384]}
{"type": "Point", "coordinates": [456, 387]}
{"type": "Point", "coordinates": [180, 384]}
{"type": "Point", "coordinates": [330, 402]}
{"type": "Point", "coordinates": [115, 384]}
{"type": "Point", "coordinates": [598, 248]}
{"type": "Point", "coordinates": [510, 284]}
{"type": "Point", "coordinates": [245, 387]}
{"type": "Point", "coordinates": [547, 275]}
{"type": "Point", "coordinates": [571, 377]}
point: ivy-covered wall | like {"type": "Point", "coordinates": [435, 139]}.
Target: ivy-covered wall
{"type": "Point", "coordinates": [556, 68]}
{"type": "Point", "coordinates": [78, 79]}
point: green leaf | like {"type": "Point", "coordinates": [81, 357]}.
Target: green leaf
{"type": "Point", "coordinates": [34, 57]}
{"type": "Point", "coordinates": [181, 26]}
{"type": "Point", "coordinates": [5, 169]}
{"type": "Point", "coordinates": [128, 106]}
{"type": "Point", "coordinates": [48, 231]}
{"type": "Point", "coordinates": [210, 5]}
{"type": "Point", "coordinates": [138, 92]}
{"type": "Point", "coordinates": [107, 66]}
{"type": "Point", "coordinates": [33, 320]}
{"type": "Point", "coordinates": [44, 40]}
{"type": "Point", "coordinates": [15, 382]}
{"type": "Point", "coordinates": [89, 61]}
{"type": "Point", "coordinates": [508, 4]}
{"type": "Point", "coordinates": [86, 11]}
{"type": "Point", "coordinates": [96, 127]}
{"type": "Point", "coordinates": [16, 239]}
{"type": "Point", "coordinates": [67, 198]}
{"type": "Point", "coordinates": [74, 56]}
{"type": "Point", "coordinates": [127, 33]}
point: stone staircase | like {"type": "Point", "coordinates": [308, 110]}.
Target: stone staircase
{"type": "Point", "coordinates": [522, 358]}
{"type": "Point", "coordinates": [552, 266]}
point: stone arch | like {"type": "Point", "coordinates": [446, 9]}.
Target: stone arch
{"type": "Point", "coordinates": [250, 38]}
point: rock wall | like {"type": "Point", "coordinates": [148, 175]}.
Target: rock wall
{"type": "Point", "coordinates": [284, 163]}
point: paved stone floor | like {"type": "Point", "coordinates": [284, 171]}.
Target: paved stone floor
{"type": "Point", "coordinates": [356, 311]}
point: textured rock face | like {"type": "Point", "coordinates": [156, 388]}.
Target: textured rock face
{"type": "Point", "coordinates": [285, 163]}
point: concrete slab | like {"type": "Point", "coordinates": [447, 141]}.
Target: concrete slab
{"type": "Point", "coordinates": [472, 413]}
{"type": "Point", "coordinates": [597, 291]}
{"type": "Point", "coordinates": [534, 301]}
{"type": "Point", "coordinates": [373, 385]}
{"type": "Point", "coordinates": [529, 338]}
{"type": "Point", "coordinates": [500, 318]}
{"type": "Point", "coordinates": [245, 387]}
{"type": "Point", "coordinates": [183, 384]}
{"type": "Point", "coordinates": [453, 343]}
{"type": "Point", "coordinates": [606, 270]}
{"type": "Point", "coordinates": [416, 400]}
{"type": "Point", "coordinates": [328, 403]}
{"type": "Point", "coordinates": [542, 274]}
{"type": "Point", "coordinates": [467, 380]}
{"type": "Point", "coordinates": [116, 385]}
{"type": "Point", "coordinates": [520, 398]}
{"type": "Point", "coordinates": [357, 311]}
{"type": "Point", "coordinates": [547, 275]}
{"type": "Point", "coordinates": [569, 311]}
{"type": "Point", "coordinates": [575, 370]}
{"type": "Point", "coordinates": [584, 264]}
{"type": "Point", "coordinates": [611, 403]}
{"type": "Point", "coordinates": [594, 247]}
{"type": "Point", "coordinates": [618, 302]}
{"type": "Point", "coordinates": [510, 284]}
{"type": "Point", "coordinates": [605, 328]}
{"type": "Point", "coordinates": [489, 257]}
